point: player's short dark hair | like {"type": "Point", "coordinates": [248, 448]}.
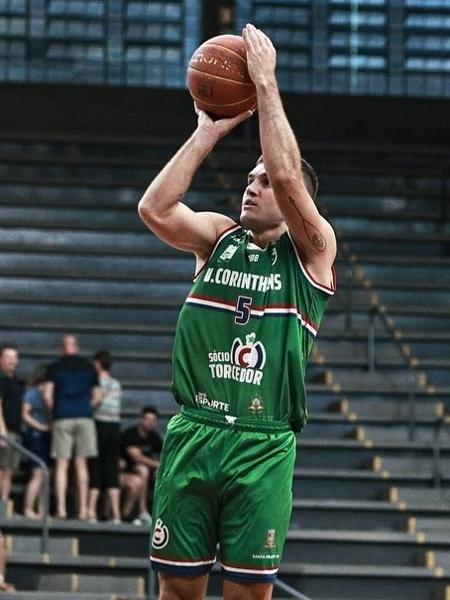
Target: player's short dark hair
{"type": "Point", "coordinates": [309, 176]}
{"type": "Point", "coordinates": [149, 409]}
{"type": "Point", "coordinates": [104, 358]}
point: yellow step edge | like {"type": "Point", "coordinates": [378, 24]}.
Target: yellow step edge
{"type": "Point", "coordinates": [430, 559]}
{"type": "Point", "coordinates": [74, 583]}
{"type": "Point", "coordinates": [9, 541]}
{"type": "Point", "coordinates": [329, 377]}
{"type": "Point", "coordinates": [440, 409]}
{"type": "Point", "coordinates": [377, 464]}
{"type": "Point", "coordinates": [393, 495]}
{"type": "Point", "coordinates": [360, 433]}
{"type": "Point", "coordinates": [75, 546]}
{"type": "Point", "coordinates": [406, 350]}
{"type": "Point", "coordinates": [447, 593]}
{"type": "Point", "coordinates": [412, 525]}
{"type": "Point", "coordinates": [141, 586]}
{"type": "Point", "coordinates": [344, 406]}
{"type": "Point", "coordinates": [421, 537]}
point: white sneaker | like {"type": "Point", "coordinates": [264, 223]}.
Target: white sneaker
{"type": "Point", "coordinates": [143, 519]}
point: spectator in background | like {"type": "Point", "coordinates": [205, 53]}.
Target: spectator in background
{"type": "Point", "coordinates": [36, 438]}
{"type": "Point", "coordinates": [72, 389]}
{"type": "Point", "coordinates": [4, 585]}
{"type": "Point", "coordinates": [11, 397]}
{"type": "Point", "coordinates": [104, 469]}
{"type": "Point", "coordinates": [139, 444]}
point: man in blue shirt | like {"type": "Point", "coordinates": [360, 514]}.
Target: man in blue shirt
{"type": "Point", "coordinates": [71, 392]}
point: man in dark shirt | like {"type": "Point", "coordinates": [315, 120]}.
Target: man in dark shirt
{"type": "Point", "coordinates": [11, 396]}
{"type": "Point", "coordinates": [139, 444]}
{"type": "Point", "coordinates": [71, 392]}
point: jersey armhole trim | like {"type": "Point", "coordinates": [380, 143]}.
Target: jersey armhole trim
{"type": "Point", "coordinates": [220, 237]}
{"type": "Point", "coordinates": [330, 290]}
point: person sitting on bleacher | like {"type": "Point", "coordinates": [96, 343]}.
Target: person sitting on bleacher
{"type": "Point", "coordinates": [139, 444]}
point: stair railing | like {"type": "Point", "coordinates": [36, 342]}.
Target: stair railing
{"type": "Point", "coordinates": [46, 483]}
{"type": "Point", "coordinates": [290, 590]}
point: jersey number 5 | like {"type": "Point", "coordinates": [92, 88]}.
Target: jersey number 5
{"type": "Point", "coordinates": [243, 314]}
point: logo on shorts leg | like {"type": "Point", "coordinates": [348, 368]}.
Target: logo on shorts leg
{"type": "Point", "coordinates": [160, 535]}
{"type": "Point", "coordinates": [270, 539]}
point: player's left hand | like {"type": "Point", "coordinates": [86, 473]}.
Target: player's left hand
{"type": "Point", "coordinates": [215, 130]}
{"type": "Point", "coordinates": [261, 54]}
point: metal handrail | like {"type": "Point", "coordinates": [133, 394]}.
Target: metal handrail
{"type": "Point", "coordinates": [290, 590]}
{"type": "Point", "coordinates": [33, 457]}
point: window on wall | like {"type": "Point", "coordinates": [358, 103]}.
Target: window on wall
{"type": "Point", "coordinates": [154, 37]}
{"type": "Point", "coordinates": [357, 37]}
{"type": "Point", "coordinates": [288, 24]}
{"type": "Point", "coordinates": [427, 36]}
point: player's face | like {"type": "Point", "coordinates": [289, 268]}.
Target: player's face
{"type": "Point", "coordinates": [259, 208]}
{"type": "Point", "coordinates": [9, 360]}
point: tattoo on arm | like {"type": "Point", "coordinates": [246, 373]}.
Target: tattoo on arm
{"type": "Point", "coordinates": [312, 232]}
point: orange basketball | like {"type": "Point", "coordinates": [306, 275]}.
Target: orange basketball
{"type": "Point", "coordinates": [218, 79]}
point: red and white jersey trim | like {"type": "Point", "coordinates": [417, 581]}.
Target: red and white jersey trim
{"type": "Point", "coordinates": [255, 311]}
{"type": "Point", "coordinates": [184, 563]}
{"type": "Point", "coordinates": [328, 290]}
{"type": "Point", "coordinates": [252, 571]}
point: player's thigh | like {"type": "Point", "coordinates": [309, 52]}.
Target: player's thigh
{"type": "Point", "coordinates": [182, 588]}
{"type": "Point", "coordinates": [185, 503]}
{"type": "Point", "coordinates": [232, 590]}
{"type": "Point", "coordinates": [256, 508]}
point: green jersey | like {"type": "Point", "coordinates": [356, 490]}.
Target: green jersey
{"type": "Point", "coordinates": [245, 333]}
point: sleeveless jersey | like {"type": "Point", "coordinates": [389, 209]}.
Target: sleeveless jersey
{"type": "Point", "coordinates": [245, 332]}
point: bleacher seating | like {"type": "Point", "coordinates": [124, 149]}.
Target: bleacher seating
{"type": "Point", "coordinates": [370, 509]}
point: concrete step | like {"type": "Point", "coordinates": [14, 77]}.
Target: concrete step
{"type": "Point", "coordinates": [363, 582]}
{"type": "Point", "coordinates": [359, 547]}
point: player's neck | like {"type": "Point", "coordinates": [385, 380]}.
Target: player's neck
{"type": "Point", "coordinates": [263, 238]}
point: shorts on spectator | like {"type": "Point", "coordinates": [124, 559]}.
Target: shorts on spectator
{"type": "Point", "coordinates": [38, 442]}
{"type": "Point", "coordinates": [9, 456]}
{"type": "Point", "coordinates": [74, 438]}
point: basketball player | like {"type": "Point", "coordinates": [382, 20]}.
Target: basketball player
{"type": "Point", "coordinates": [242, 341]}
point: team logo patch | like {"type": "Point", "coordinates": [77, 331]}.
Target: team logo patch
{"type": "Point", "coordinates": [256, 406]}
{"type": "Point", "coordinates": [229, 252]}
{"type": "Point", "coordinates": [249, 355]}
{"type": "Point", "coordinates": [270, 539]}
{"type": "Point", "coordinates": [160, 535]}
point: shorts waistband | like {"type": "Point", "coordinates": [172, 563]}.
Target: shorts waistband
{"type": "Point", "coordinates": [235, 423]}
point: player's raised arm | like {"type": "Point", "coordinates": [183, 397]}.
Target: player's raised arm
{"type": "Point", "coordinates": [313, 235]}
{"type": "Point", "coordinates": [162, 208]}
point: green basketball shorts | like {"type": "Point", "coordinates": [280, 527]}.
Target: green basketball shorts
{"type": "Point", "coordinates": [227, 485]}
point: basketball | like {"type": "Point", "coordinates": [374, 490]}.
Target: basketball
{"type": "Point", "coordinates": [218, 78]}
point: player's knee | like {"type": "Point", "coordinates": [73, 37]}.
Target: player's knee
{"type": "Point", "coordinates": [182, 588]}
{"type": "Point", "coordinates": [232, 590]}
